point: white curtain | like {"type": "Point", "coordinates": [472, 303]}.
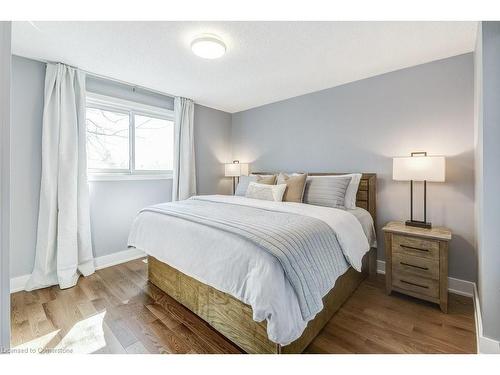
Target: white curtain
{"type": "Point", "coordinates": [63, 248]}
{"type": "Point", "coordinates": [184, 181]}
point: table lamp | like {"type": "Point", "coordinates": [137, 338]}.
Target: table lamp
{"type": "Point", "coordinates": [235, 170]}
{"type": "Point", "coordinates": [418, 167]}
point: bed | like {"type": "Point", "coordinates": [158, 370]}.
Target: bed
{"type": "Point", "coordinates": [252, 300]}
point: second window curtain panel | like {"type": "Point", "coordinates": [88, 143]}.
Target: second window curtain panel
{"type": "Point", "coordinates": [184, 176]}
{"type": "Point", "coordinates": [63, 247]}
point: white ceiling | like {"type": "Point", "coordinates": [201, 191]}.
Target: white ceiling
{"type": "Point", "coordinates": [265, 62]}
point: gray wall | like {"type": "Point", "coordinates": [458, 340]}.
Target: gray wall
{"type": "Point", "coordinates": [26, 141]}
{"type": "Point", "coordinates": [487, 99]}
{"type": "Point", "coordinates": [114, 204]}
{"type": "Point", "coordinates": [212, 139]}
{"type": "Point", "coordinates": [5, 182]}
{"type": "Point", "coordinates": [361, 125]}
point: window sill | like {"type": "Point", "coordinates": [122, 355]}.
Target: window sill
{"type": "Point", "coordinates": [128, 177]}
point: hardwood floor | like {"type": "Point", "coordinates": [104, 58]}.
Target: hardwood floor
{"type": "Point", "coordinates": [116, 310]}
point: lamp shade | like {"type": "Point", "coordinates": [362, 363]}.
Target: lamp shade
{"type": "Point", "coordinates": [236, 169]}
{"type": "Point", "coordinates": [419, 168]}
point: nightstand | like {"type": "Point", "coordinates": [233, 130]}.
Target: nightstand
{"type": "Point", "coordinates": [416, 262]}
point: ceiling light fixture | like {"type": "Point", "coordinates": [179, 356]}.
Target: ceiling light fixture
{"type": "Point", "coordinates": [208, 46]}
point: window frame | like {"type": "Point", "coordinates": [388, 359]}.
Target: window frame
{"type": "Point", "coordinates": [130, 108]}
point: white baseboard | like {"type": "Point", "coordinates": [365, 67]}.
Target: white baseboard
{"type": "Point", "coordinates": [461, 287]}
{"type": "Point", "coordinates": [485, 345]}
{"type": "Point", "coordinates": [18, 283]}
{"type": "Point", "coordinates": [456, 286]}
{"type": "Point", "coordinates": [118, 258]}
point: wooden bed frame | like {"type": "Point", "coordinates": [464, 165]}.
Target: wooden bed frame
{"type": "Point", "coordinates": [233, 319]}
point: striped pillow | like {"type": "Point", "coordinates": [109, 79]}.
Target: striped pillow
{"type": "Point", "coordinates": [328, 191]}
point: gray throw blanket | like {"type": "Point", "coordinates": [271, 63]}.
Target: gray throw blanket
{"type": "Point", "coordinates": [306, 247]}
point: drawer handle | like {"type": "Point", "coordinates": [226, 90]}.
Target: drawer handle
{"type": "Point", "coordinates": [412, 265]}
{"type": "Point", "coordinates": [419, 285]}
{"type": "Point", "coordinates": [413, 248]}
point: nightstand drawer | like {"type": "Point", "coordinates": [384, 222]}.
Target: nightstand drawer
{"type": "Point", "coordinates": [415, 266]}
{"type": "Point", "coordinates": [420, 247]}
{"type": "Point", "coordinates": [421, 285]}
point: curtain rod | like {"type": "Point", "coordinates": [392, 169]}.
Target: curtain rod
{"type": "Point", "coordinates": [100, 76]}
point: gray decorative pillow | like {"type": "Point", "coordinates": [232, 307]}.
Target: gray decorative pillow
{"type": "Point", "coordinates": [242, 187]}
{"type": "Point", "coordinates": [326, 191]}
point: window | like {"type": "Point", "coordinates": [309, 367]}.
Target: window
{"type": "Point", "coordinates": [127, 139]}
{"type": "Point", "coordinates": [107, 140]}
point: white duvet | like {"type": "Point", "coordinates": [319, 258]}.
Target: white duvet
{"type": "Point", "coordinates": [240, 268]}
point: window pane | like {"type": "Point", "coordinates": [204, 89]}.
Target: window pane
{"type": "Point", "coordinates": [154, 144]}
{"type": "Point", "coordinates": [107, 139]}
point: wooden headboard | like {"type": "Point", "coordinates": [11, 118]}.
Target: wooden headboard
{"type": "Point", "coordinates": [366, 197]}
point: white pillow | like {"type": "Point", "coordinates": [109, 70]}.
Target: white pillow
{"type": "Point", "coordinates": [265, 192]}
{"type": "Point", "coordinates": [352, 190]}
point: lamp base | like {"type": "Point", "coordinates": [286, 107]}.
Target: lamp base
{"type": "Point", "coordinates": [418, 224]}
